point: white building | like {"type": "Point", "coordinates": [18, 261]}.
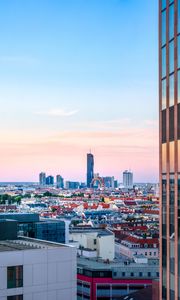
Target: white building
{"type": "Point", "coordinates": [133, 247]}
{"type": "Point", "coordinates": [128, 179]}
{"type": "Point", "coordinates": [31, 269]}
{"type": "Point", "coordinates": [102, 242]}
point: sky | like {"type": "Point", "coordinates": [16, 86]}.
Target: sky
{"type": "Point", "coordinates": [77, 75]}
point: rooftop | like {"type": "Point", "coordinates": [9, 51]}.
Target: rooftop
{"type": "Point", "coordinates": [27, 244]}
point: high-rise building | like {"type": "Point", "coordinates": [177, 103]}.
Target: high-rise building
{"type": "Point", "coordinates": [72, 185]}
{"type": "Point", "coordinates": [90, 169]}
{"type": "Point", "coordinates": [128, 179]}
{"type": "Point", "coordinates": [42, 178]}
{"type": "Point", "coordinates": [59, 182]}
{"type": "Point", "coordinates": [109, 182]}
{"type": "Point", "coordinates": [50, 180]}
{"type": "Point", "coordinates": [169, 105]}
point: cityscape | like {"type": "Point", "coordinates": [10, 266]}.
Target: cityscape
{"type": "Point", "coordinates": [103, 223]}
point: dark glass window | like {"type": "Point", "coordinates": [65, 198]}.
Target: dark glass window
{"type": "Point", "coordinates": [164, 126]}
{"type": "Point", "coordinates": [14, 277]}
{"type": "Point", "coordinates": [132, 274]}
{"type": "Point", "coordinates": [163, 27]}
{"type": "Point", "coordinates": [171, 90]}
{"type": "Point", "coordinates": [171, 56]}
{"type": "Point", "coordinates": [163, 62]}
{"type": "Point", "coordinates": [16, 297]}
{"type": "Point", "coordinates": [163, 94]}
{"type": "Point", "coordinates": [171, 123]}
{"type": "Point", "coordinates": [171, 21]}
{"type": "Point", "coordinates": [140, 274]}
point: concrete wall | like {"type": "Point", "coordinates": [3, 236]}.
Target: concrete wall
{"type": "Point", "coordinates": [48, 274]}
{"type": "Point", "coordinates": [106, 247]}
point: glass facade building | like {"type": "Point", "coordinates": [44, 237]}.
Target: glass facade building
{"type": "Point", "coordinates": [169, 108]}
{"type": "Point", "coordinates": [90, 169]}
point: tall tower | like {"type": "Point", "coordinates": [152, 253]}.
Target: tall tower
{"type": "Point", "coordinates": [128, 179]}
{"type": "Point", "coordinates": [42, 178]}
{"type": "Point", "coordinates": [90, 168]}
{"type": "Point", "coordinates": [169, 113]}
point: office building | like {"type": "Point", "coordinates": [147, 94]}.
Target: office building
{"type": "Point", "coordinates": [50, 180]}
{"type": "Point", "coordinates": [39, 270]}
{"type": "Point", "coordinates": [128, 179]}
{"type": "Point", "coordinates": [42, 178]}
{"type": "Point", "coordinates": [169, 104]}
{"type": "Point", "coordinates": [59, 182]}
{"type": "Point", "coordinates": [99, 279]}
{"type": "Point", "coordinates": [72, 185]}
{"type": "Point", "coordinates": [109, 182]}
{"type": "Point", "coordinates": [90, 169]}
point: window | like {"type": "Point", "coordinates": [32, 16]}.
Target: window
{"type": "Point", "coordinates": [163, 5]}
{"type": "Point", "coordinates": [154, 253]}
{"type": "Point", "coordinates": [16, 297]}
{"type": "Point", "coordinates": [164, 160]}
{"type": "Point", "coordinates": [94, 241]}
{"type": "Point", "coordinates": [171, 156]}
{"type": "Point", "coordinates": [132, 274]}
{"type": "Point", "coordinates": [171, 21]}
{"type": "Point", "coordinates": [163, 94]}
{"type": "Point", "coordinates": [163, 42]}
{"type": "Point", "coordinates": [123, 274]}
{"type": "Point", "coordinates": [145, 253]}
{"type": "Point", "coordinates": [171, 57]}
{"type": "Point", "coordinates": [163, 62]}
{"type": "Point", "coordinates": [150, 253]}
{"type": "Point", "coordinates": [178, 16]}
{"type": "Point", "coordinates": [178, 51]}
{"type": "Point", "coordinates": [140, 274]}
{"type": "Point", "coordinates": [171, 90]}
{"type": "Point", "coordinates": [149, 274]}
{"type": "Point", "coordinates": [14, 277]}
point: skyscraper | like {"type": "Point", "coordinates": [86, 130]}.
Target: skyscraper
{"type": "Point", "coordinates": [59, 182]}
{"type": "Point", "coordinates": [90, 168]}
{"type": "Point", "coordinates": [50, 180]}
{"type": "Point", "coordinates": [128, 179]}
{"type": "Point", "coordinates": [169, 106]}
{"type": "Point", "coordinates": [42, 178]}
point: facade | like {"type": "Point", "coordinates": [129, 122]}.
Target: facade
{"type": "Point", "coordinates": [128, 179]}
{"type": "Point", "coordinates": [109, 182]}
{"type": "Point", "coordinates": [49, 230]}
{"type": "Point", "coordinates": [42, 178]}
{"type": "Point", "coordinates": [59, 182]}
{"type": "Point", "coordinates": [37, 270]}
{"type": "Point", "coordinates": [97, 280]}
{"type": "Point", "coordinates": [94, 242]}
{"type": "Point", "coordinates": [50, 180]}
{"type": "Point", "coordinates": [169, 106]}
{"type": "Point", "coordinates": [72, 185]}
{"type": "Point", "coordinates": [90, 169]}
{"type": "Point", "coordinates": [133, 247]}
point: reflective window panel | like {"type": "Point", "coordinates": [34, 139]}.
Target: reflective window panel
{"type": "Point", "coordinates": [171, 21]}
{"type": "Point", "coordinates": [163, 28]}
{"type": "Point", "coordinates": [171, 90]}
{"type": "Point", "coordinates": [171, 56]}
{"type": "Point", "coordinates": [163, 62]}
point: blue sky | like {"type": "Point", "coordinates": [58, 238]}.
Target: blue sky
{"type": "Point", "coordinates": [71, 69]}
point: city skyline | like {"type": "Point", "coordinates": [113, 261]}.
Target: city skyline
{"type": "Point", "coordinates": [56, 103]}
